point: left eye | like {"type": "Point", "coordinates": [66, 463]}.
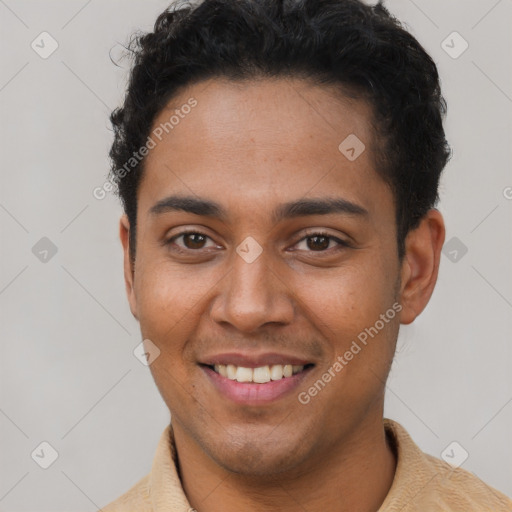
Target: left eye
{"type": "Point", "coordinates": [319, 242]}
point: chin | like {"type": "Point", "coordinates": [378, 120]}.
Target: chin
{"type": "Point", "coordinates": [253, 463]}
{"type": "Point", "coordinates": [257, 457]}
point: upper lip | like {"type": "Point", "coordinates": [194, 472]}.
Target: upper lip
{"type": "Point", "coordinates": [254, 360]}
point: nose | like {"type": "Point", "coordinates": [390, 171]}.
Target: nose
{"type": "Point", "coordinates": [253, 295]}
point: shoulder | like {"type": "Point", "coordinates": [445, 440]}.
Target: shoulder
{"type": "Point", "coordinates": [424, 482]}
{"type": "Point", "coordinates": [161, 489]}
{"type": "Point", "coordinates": [458, 489]}
{"type": "Point", "coordinates": [136, 498]}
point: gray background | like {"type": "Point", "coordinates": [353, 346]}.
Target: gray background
{"type": "Point", "coordinates": [68, 373]}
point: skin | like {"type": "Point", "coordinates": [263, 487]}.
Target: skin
{"type": "Point", "coordinates": [250, 147]}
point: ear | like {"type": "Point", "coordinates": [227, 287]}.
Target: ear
{"type": "Point", "coordinates": [420, 265]}
{"type": "Point", "coordinates": [124, 235]}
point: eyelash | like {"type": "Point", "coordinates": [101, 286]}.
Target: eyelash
{"type": "Point", "coordinates": [341, 244]}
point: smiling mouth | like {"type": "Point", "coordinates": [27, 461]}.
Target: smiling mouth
{"type": "Point", "coordinates": [259, 375]}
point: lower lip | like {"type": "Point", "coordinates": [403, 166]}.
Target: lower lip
{"type": "Point", "coordinates": [252, 393]}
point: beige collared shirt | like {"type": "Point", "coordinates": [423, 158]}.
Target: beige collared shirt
{"type": "Point", "coordinates": [422, 483]}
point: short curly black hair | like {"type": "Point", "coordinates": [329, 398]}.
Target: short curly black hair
{"type": "Point", "coordinates": [362, 50]}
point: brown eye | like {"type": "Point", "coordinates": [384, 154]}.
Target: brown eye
{"type": "Point", "coordinates": [191, 241]}
{"type": "Point", "coordinates": [318, 242]}
{"type": "Point", "coordinates": [321, 242]}
{"type": "Point", "coordinates": [194, 240]}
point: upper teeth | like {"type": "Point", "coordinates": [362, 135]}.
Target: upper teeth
{"type": "Point", "coordinates": [260, 375]}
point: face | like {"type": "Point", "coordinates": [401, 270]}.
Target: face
{"type": "Point", "coordinates": [261, 245]}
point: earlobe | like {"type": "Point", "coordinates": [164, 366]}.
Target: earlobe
{"type": "Point", "coordinates": [129, 271]}
{"type": "Point", "coordinates": [420, 266]}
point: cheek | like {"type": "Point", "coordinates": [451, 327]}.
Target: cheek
{"type": "Point", "coordinates": [167, 303]}
{"type": "Point", "coordinates": [170, 302]}
{"type": "Point", "coordinates": [349, 298]}
{"type": "Point", "coordinates": [347, 307]}
{"type": "Point", "coordinates": [166, 297]}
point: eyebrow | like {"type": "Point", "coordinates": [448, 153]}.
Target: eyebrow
{"type": "Point", "coordinates": [292, 209]}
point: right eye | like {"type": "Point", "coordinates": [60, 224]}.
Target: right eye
{"type": "Point", "coordinates": [191, 241]}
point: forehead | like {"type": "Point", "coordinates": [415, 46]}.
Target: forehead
{"type": "Point", "coordinates": [262, 140]}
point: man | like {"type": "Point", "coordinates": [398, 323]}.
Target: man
{"type": "Point", "coordinates": [278, 163]}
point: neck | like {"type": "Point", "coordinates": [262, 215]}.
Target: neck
{"type": "Point", "coordinates": [355, 476]}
